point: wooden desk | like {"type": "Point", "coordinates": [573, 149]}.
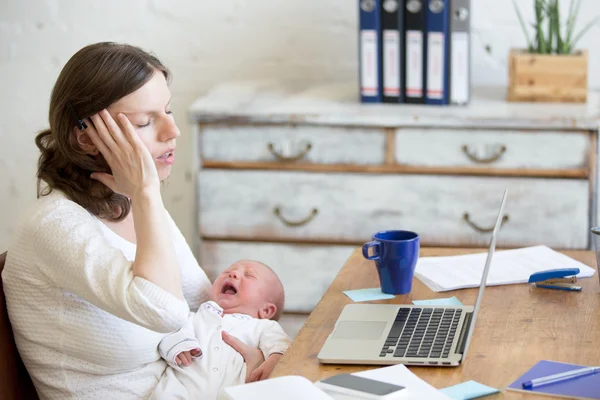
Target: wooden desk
{"type": "Point", "coordinates": [517, 326]}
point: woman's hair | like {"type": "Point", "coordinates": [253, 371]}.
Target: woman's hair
{"type": "Point", "coordinates": [94, 78]}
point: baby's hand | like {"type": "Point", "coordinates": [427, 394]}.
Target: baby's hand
{"type": "Point", "coordinates": [185, 358]}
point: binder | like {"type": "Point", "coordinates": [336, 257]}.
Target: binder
{"type": "Point", "coordinates": [460, 52]}
{"type": "Point", "coordinates": [414, 47]}
{"type": "Point", "coordinates": [392, 63]}
{"type": "Point", "coordinates": [437, 49]}
{"type": "Point", "coordinates": [369, 51]}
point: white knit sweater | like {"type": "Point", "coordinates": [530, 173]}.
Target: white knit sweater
{"type": "Point", "coordinates": [85, 327]}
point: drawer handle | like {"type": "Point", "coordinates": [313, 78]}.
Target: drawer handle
{"type": "Point", "coordinates": [485, 160]}
{"type": "Point", "coordinates": [281, 157]}
{"type": "Point", "coordinates": [287, 222]}
{"type": "Point", "coordinates": [478, 228]}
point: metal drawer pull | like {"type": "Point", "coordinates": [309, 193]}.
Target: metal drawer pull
{"type": "Point", "coordinates": [304, 221]}
{"type": "Point", "coordinates": [484, 160]}
{"type": "Point", "coordinates": [467, 219]}
{"type": "Point", "coordinates": [281, 157]}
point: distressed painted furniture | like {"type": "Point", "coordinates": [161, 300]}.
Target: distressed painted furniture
{"type": "Point", "coordinates": [298, 175]}
{"type": "Point", "coordinates": [517, 326]}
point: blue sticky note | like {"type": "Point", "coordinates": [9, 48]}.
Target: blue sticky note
{"type": "Point", "coordinates": [367, 294]}
{"type": "Point", "coordinates": [468, 390]}
{"type": "Point", "coordinates": [451, 301]}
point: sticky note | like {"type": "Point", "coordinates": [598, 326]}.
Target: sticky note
{"type": "Point", "coordinates": [367, 294]}
{"type": "Point", "coordinates": [450, 301]}
{"type": "Point", "coordinates": [468, 390]}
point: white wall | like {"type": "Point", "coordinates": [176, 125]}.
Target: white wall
{"type": "Point", "coordinates": [203, 42]}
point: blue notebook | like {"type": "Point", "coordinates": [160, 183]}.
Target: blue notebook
{"type": "Point", "coordinates": [585, 387]}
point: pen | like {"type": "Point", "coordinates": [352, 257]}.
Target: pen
{"type": "Point", "coordinates": [563, 376]}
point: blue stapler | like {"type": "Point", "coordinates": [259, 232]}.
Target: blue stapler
{"type": "Point", "coordinates": [560, 279]}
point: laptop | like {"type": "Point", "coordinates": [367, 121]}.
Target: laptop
{"type": "Point", "coordinates": [385, 334]}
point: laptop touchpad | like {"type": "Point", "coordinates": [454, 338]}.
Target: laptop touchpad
{"type": "Point", "coordinates": [365, 330]}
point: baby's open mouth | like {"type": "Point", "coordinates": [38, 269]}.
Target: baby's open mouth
{"type": "Point", "coordinates": [229, 289]}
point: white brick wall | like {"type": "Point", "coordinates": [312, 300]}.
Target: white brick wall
{"type": "Point", "coordinates": [203, 42]}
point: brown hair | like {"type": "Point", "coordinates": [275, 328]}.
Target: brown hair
{"type": "Point", "coordinates": [94, 78]}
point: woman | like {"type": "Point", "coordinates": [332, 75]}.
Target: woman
{"type": "Point", "coordinates": [98, 271]}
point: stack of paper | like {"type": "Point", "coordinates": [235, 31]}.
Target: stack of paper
{"type": "Point", "coordinates": [299, 388]}
{"type": "Point", "coordinates": [441, 274]}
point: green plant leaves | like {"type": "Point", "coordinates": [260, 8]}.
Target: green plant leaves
{"type": "Point", "coordinates": [584, 30]}
{"type": "Point", "coordinates": [551, 40]}
{"type": "Point", "coordinates": [522, 22]}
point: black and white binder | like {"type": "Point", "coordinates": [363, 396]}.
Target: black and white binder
{"type": "Point", "coordinates": [414, 59]}
{"type": "Point", "coordinates": [460, 52]}
{"type": "Point", "coordinates": [392, 31]}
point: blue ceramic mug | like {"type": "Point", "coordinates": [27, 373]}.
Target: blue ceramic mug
{"type": "Point", "coordinates": [395, 254]}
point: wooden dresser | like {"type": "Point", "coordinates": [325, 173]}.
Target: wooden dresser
{"type": "Point", "coordinates": [298, 176]}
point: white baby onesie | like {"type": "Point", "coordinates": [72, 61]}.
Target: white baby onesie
{"type": "Point", "coordinates": [220, 365]}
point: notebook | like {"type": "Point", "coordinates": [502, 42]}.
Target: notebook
{"type": "Point", "coordinates": [585, 387]}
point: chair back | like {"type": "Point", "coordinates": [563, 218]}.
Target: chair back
{"type": "Point", "coordinates": [15, 382]}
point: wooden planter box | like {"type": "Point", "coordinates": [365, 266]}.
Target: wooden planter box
{"type": "Point", "coordinates": [548, 77]}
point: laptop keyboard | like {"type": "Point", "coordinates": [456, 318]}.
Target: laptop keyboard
{"type": "Point", "coordinates": [422, 333]}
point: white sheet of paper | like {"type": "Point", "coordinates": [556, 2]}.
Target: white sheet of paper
{"type": "Point", "coordinates": [441, 274]}
{"type": "Point", "coordinates": [400, 375]}
{"type": "Point", "coordinates": [290, 387]}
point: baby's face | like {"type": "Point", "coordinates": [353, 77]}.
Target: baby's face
{"type": "Point", "coordinates": [243, 288]}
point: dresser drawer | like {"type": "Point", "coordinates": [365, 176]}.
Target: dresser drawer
{"type": "Point", "coordinates": [288, 144]}
{"type": "Point", "coordinates": [306, 271]}
{"type": "Point", "coordinates": [348, 208]}
{"type": "Point", "coordinates": [492, 149]}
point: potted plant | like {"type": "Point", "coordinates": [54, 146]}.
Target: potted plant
{"type": "Point", "coordinates": [550, 69]}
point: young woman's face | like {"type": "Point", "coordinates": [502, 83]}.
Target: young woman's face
{"type": "Point", "coordinates": [149, 111]}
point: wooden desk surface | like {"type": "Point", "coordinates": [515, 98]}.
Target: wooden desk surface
{"type": "Point", "coordinates": [517, 326]}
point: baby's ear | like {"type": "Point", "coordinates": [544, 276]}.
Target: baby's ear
{"type": "Point", "coordinates": [268, 311]}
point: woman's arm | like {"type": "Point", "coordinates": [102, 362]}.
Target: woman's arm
{"type": "Point", "coordinates": [155, 258]}
{"type": "Point", "coordinates": [134, 175]}
{"type": "Point", "coordinates": [69, 250]}
{"type": "Point", "coordinates": [196, 285]}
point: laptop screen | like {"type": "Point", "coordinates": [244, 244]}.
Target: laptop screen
{"type": "Point", "coordinates": [486, 270]}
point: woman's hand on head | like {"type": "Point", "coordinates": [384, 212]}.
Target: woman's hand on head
{"type": "Point", "coordinates": [132, 166]}
{"type": "Point", "coordinates": [252, 356]}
